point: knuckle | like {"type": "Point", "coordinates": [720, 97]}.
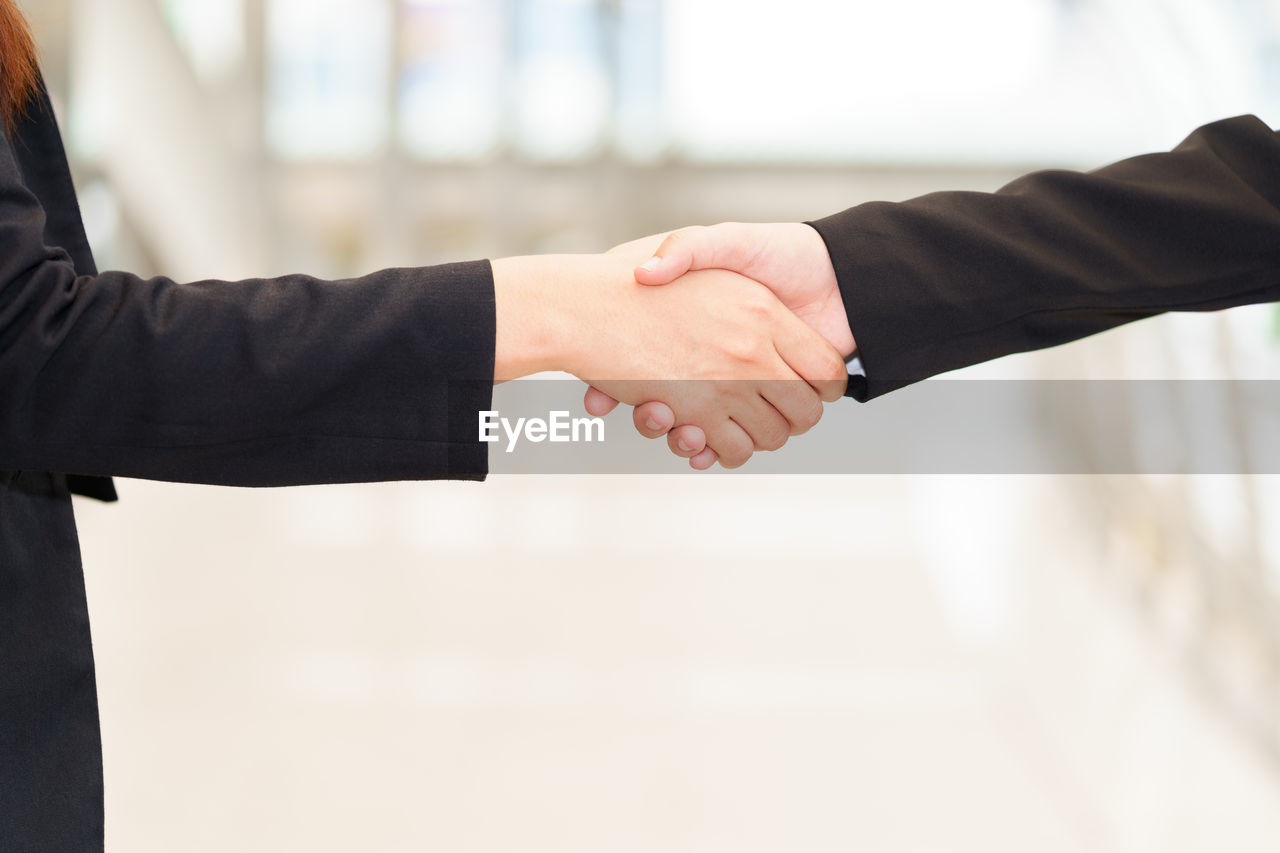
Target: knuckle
{"type": "Point", "coordinates": [758, 302]}
{"type": "Point", "coordinates": [808, 417]}
{"type": "Point", "coordinates": [757, 311]}
{"type": "Point", "coordinates": [835, 369]}
{"type": "Point", "coordinates": [773, 438]}
{"type": "Point", "coordinates": [743, 347]}
{"type": "Point", "coordinates": [735, 455]}
{"type": "Point", "coordinates": [837, 388]}
{"type": "Point", "coordinates": [682, 239]}
{"type": "Point", "coordinates": [671, 243]}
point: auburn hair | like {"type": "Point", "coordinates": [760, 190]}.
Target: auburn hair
{"type": "Point", "coordinates": [19, 74]}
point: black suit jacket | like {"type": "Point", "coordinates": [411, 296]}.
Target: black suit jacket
{"type": "Point", "coordinates": [265, 382]}
{"type": "Point", "coordinates": [955, 278]}
{"type": "Point", "coordinates": [258, 383]}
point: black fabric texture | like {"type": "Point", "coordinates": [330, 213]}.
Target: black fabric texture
{"type": "Point", "coordinates": [951, 279]}
{"type": "Point", "coordinates": [268, 382]}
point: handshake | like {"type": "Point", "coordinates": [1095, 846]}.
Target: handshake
{"type": "Point", "coordinates": [727, 339]}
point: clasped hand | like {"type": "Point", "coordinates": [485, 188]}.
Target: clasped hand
{"type": "Point", "coordinates": [716, 349]}
{"type": "Point", "coordinates": [791, 259]}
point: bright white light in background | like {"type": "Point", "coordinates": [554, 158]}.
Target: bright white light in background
{"type": "Point", "coordinates": [981, 81]}
{"type": "Point", "coordinates": [451, 82]}
{"type": "Point", "coordinates": [328, 73]}
{"type": "Point", "coordinates": [211, 33]}
{"type": "Point", "coordinates": [457, 55]}
{"type": "Point", "coordinates": [991, 81]}
{"type": "Point", "coordinates": [967, 533]}
{"type": "Point", "coordinates": [824, 79]}
{"type": "Point", "coordinates": [561, 84]}
{"type": "Point", "coordinates": [640, 128]}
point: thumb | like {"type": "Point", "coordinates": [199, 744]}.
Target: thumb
{"type": "Point", "coordinates": [726, 246]}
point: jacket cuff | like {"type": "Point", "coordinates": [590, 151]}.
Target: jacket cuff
{"type": "Point", "coordinates": [467, 360]}
{"type": "Point", "coordinates": [877, 330]}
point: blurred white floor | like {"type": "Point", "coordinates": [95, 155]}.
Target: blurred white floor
{"type": "Point", "coordinates": [668, 663]}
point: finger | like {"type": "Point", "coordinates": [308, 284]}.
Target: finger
{"type": "Point", "coordinates": [732, 444]}
{"type": "Point", "coordinates": [809, 355]}
{"type": "Point", "coordinates": [687, 440]}
{"type": "Point", "coordinates": [727, 246]}
{"type": "Point", "coordinates": [766, 426]}
{"type": "Point", "coordinates": [597, 402]}
{"type": "Point", "coordinates": [653, 419]}
{"type": "Point", "coordinates": [703, 460]}
{"type": "Point", "coordinates": [796, 401]}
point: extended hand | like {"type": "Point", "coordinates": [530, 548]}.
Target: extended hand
{"type": "Point", "coordinates": [750, 355]}
{"type": "Point", "coordinates": [789, 258]}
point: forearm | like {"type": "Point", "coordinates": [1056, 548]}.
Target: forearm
{"type": "Point", "coordinates": [267, 382]}
{"type": "Point", "coordinates": [952, 279]}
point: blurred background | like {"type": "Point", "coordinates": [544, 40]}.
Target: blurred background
{"type": "Point", "coordinates": [669, 662]}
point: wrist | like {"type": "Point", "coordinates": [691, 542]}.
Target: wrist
{"type": "Point", "coordinates": [544, 313]}
{"type": "Point", "coordinates": [828, 314]}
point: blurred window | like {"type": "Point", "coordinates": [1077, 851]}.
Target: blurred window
{"type": "Point", "coordinates": [991, 81]}
{"type": "Point", "coordinates": [451, 80]}
{"type": "Point", "coordinates": [986, 81]}
{"type": "Point", "coordinates": [328, 73]}
{"type": "Point", "coordinates": [560, 83]}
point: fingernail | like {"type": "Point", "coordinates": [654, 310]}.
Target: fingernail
{"type": "Point", "coordinates": [680, 444]}
{"type": "Point", "coordinates": [652, 424]}
{"type": "Point", "coordinates": [651, 264]}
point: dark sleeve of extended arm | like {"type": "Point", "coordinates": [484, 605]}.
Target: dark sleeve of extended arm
{"type": "Point", "coordinates": [275, 381]}
{"type": "Point", "coordinates": [952, 279]}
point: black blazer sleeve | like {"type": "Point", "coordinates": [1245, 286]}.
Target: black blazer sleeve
{"type": "Point", "coordinates": [951, 279]}
{"type": "Point", "coordinates": [267, 382]}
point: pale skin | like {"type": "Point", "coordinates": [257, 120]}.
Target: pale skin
{"type": "Point", "coordinates": [789, 258]}
{"type": "Point", "coordinates": [767, 372]}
